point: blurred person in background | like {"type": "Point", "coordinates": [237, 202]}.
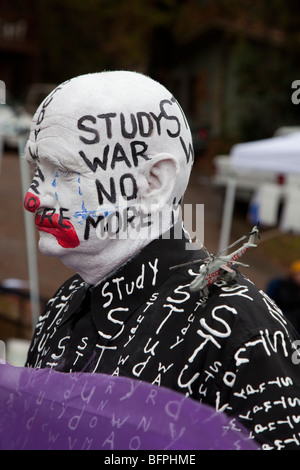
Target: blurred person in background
{"type": "Point", "coordinates": [286, 294]}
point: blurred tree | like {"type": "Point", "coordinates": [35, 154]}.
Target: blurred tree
{"type": "Point", "coordinates": [153, 36]}
{"type": "Point", "coordinates": [264, 91]}
{"type": "Point", "coordinates": [80, 37]}
{"type": "Point", "coordinates": [261, 42]}
{"type": "Point", "coordinates": [267, 65]}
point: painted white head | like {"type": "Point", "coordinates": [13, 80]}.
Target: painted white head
{"type": "Point", "coordinates": [112, 153]}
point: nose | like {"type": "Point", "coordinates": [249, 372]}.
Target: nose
{"type": "Point", "coordinates": [40, 194]}
{"type": "Point", "coordinates": [31, 202]}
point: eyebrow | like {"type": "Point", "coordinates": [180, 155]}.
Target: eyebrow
{"type": "Point", "coordinates": [61, 162]}
{"type": "Point", "coordinates": [30, 158]}
{"type": "Point", "coordinates": [35, 158]}
{"type": "Point", "coordinates": [50, 159]}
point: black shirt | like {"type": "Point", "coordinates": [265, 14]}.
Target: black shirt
{"type": "Point", "coordinates": [233, 350]}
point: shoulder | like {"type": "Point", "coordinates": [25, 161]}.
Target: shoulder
{"type": "Point", "coordinates": [241, 305]}
{"type": "Point", "coordinates": [242, 313]}
{"type": "Point", "coordinates": [255, 308]}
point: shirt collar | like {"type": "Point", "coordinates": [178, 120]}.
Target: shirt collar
{"type": "Point", "coordinates": [116, 298]}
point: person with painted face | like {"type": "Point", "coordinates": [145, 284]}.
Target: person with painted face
{"type": "Point", "coordinates": [112, 154]}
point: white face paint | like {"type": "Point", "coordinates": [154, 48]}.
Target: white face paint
{"type": "Point", "coordinates": [92, 142]}
{"type": "Point", "coordinates": [63, 197]}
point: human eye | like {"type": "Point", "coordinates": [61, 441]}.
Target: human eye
{"type": "Point", "coordinates": [66, 172]}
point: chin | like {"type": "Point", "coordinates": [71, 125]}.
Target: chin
{"type": "Point", "coordinates": [49, 246]}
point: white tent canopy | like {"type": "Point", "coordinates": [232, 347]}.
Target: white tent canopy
{"type": "Point", "coordinates": [277, 154]}
{"type": "Point", "coordinates": [280, 154]}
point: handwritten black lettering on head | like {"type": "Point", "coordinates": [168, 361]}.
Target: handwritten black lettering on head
{"type": "Point", "coordinates": [141, 152]}
{"type": "Point", "coordinates": [127, 185]}
{"type": "Point", "coordinates": [145, 124]}
{"type": "Point", "coordinates": [62, 217]}
{"type": "Point", "coordinates": [46, 103]}
{"type": "Point", "coordinates": [90, 221]}
{"type": "Point", "coordinates": [142, 123]}
{"type": "Point", "coordinates": [173, 99]}
{"type": "Point", "coordinates": [47, 214]}
{"type": "Point", "coordinates": [36, 133]}
{"type": "Point", "coordinates": [82, 127]}
{"type": "Point", "coordinates": [117, 155]}
{"type": "Point", "coordinates": [164, 115]}
{"type": "Point", "coordinates": [38, 172]}
{"type": "Point", "coordinates": [96, 162]}
{"type": "Point", "coordinates": [34, 154]}
{"type": "Point", "coordinates": [35, 182]}
{"type": "Point", "coordinates": [107, 117]}
{"type": "Point", "coordinates": [125, 133]}
{"type": "Point", "coordinates": [113, 222]}
{"type": "Point", "coordinates": [189, 152]}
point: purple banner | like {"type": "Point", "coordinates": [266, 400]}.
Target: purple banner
{"type": "Point", "coordinates": [49, 410]}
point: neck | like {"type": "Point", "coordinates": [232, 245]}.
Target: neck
{"type": "Point", "coordinates": [96, 265]}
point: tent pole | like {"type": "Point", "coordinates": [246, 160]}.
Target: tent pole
{"type": "Point", "coordinates": [227, 213]}
{"type": "Point", "coordinates": [30, 239]}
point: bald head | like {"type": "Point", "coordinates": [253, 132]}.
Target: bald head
{"type": "Point", "coordinates": [112, 122]}
{"type": "Point", "coordinates": [98, 142]}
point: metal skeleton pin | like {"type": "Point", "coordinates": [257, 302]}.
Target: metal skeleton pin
{"type": "Point", "coordinates": [216, 267]}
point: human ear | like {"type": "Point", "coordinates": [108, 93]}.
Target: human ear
{"type": "Point", "coordinates": [158, 180]}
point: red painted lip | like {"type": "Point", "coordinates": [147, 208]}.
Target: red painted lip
{"type": "Point", "coordinates": [65, 235]}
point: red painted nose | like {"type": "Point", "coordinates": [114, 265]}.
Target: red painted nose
{"type": "Point", "coordinates": [31, 202]}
